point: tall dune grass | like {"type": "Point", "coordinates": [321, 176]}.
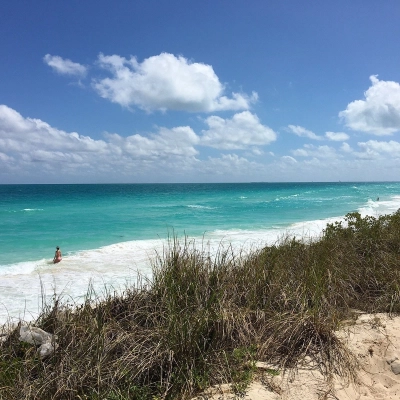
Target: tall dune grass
{"type": "Point", "coordinates": [204, 320]}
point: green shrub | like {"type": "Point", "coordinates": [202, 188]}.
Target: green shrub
{"type": "Point", "coordinates": [205, 320]}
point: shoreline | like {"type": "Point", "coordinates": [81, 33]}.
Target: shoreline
{"type": "Point", "coordinates": [208, 321]}
{"type": "Point", "coordinates": [117, 265]}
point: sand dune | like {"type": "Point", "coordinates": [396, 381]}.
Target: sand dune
{"type": "Point", "coordinates": [373, 339]}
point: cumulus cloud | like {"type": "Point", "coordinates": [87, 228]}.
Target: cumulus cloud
{"type": "Point", "coordinates": [346, 148]}
{"type": "Point", "coordinates": [166, 82]}
{"type": "Point", "coordinates": [240, 132]}
{"type": "Point", "coordinates": [376, 147]}
{"type": "Point", "coordinates": [19, 134]}
{"type": "Point", "coordinates": [25, 134]}
{"type": "Point", "coordinates": [289, 160]}
{"type": "Point", "coordinates": [303, 132]}
{"type": "Point", "coordinates": [32, 149]}
{"type": "Point", "coordinates": [175, 142]}
{"type": "Point", "coordinates": [64, 66]}
{"type": "Point", "coordinates": [5, 158]}
{"type": "Point", "coordinates": [337, 136]}
{"type": "Point", "coordinates": [229, 165]}
{"type": "Point", "coordinates": [256, 151]}
{"type": "Point", "coordinates": [317, 152]}
{"type": "Point", "coordinates": [379, 113]}
{"type": "Point", "coordinates": [374, 150]}
{"type": "Point", "coordinates": [32, 145]}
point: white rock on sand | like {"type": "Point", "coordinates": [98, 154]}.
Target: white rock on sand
{"type": "Point", "coordinates": [374, 339]}
{"type": "Point", "coordinates": [34, 335]}
{"type": "Point", "coordinates": [39, 337]}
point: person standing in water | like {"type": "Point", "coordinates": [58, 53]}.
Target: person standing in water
{"type": "Point", "coordinates": [57, 256]}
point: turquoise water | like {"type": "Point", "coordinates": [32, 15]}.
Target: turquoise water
{"type": "Point", "coordinates": [35, 218]}
{"type": "Point", "coordinates": [110, 230]}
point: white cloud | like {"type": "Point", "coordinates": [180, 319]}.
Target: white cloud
{"type": "Point", "coordinates": [18, 134]}
{"type": "Point", "coordinates": [33, 151]}
{"type": "Point", "coordinates": [166, 82]}
{"type": "Point", "coordinates": [337, 136]}
{"type": "Point", "coordinates": [230, 165]}
{"type": "Point", "coordinates": [375, 147]}
{"type": "Point", "coordinates": [5, 158]}
{"type": "Point", "coordinates": [303, 132]}
{"type": "Point", "coordinates": [240, 132]}
{"type": "Point", "coordinates": [65, 66]}
{"type": "Point", "coordinates": [300, 153]}
{"type": "Point", "coordinates": [289, 159]}
{"type": "Point", "coordinates": [175, 142]}
{"type": "Point", "coordinates": [346, 148]}
{"type": "Point", "coordinates": [31, 146]}
{"type": "Point", "coordinates": [309, 150]}
{"type": "Point", "coordinates": [375, 150]}
{"type": "Point", "coordinates": [256, 151]}
{"type": "Point", "coordinates": [25, 134]}
{"type": "Point", "coordinates": [379, 113]}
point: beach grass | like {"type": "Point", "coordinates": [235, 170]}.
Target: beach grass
{"type": "Point", "coordinates": [206, 319]}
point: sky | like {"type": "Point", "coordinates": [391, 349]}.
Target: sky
{"type": "Point", "coordinates": [160, 91]}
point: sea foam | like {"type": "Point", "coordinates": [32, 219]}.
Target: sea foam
{"type": "Point", "coordinates": [25, 286]}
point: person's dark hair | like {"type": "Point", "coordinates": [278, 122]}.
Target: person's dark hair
{"type": "Point", "coordinates": [57, 248]}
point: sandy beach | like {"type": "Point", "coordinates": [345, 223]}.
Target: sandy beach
{"type": "Point", "coordinates": [375, 341]}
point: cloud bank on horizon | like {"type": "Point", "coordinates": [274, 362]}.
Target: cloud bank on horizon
{"type": "Point", "coordinates": [165, 83]}
{"type": "Point", "coordinates": [223, 115]}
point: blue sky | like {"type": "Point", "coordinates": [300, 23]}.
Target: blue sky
{"type": "Point", "coordinates": [210, 91]}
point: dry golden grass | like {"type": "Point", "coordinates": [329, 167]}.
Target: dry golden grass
{"type": "Point", "coordinates": [205, 320]}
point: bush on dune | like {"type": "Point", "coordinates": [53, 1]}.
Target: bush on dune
{"type": "Point", "coordinates": [204, 320]}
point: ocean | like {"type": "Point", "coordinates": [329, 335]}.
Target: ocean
{"type": "Point", "coordinates": [109, 233]}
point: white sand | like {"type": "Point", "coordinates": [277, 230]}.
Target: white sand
{"type": "Point", "coordinates": [374, 340]}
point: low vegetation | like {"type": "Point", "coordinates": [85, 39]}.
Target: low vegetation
{"type": "Point", "coordinates": [205, 320]}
